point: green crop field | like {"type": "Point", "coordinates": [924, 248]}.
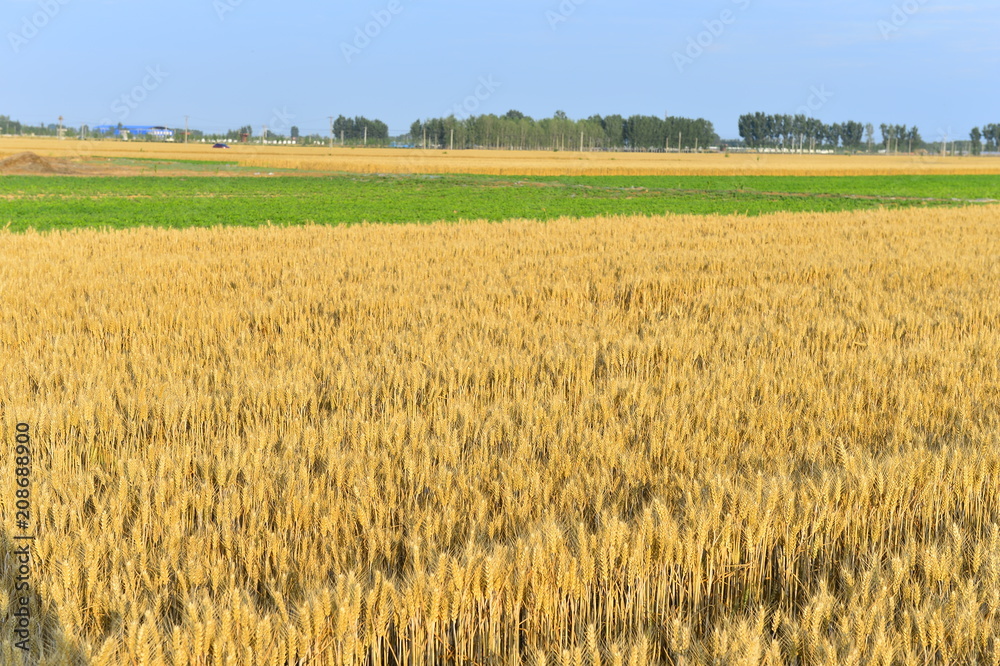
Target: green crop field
{"type": "Point", "coordinates": [74, 202]}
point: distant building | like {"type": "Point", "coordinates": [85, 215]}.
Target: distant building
{"type": "Point", "coordinates": [156, 131]}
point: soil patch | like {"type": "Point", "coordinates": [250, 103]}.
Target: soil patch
{"type": "Point", "coordinates": [31, 163]}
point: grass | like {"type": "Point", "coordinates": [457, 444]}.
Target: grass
{"type": "Point", "coordinates": [965, 187]}
{"type": "Point", "coordinates": [178, 202]}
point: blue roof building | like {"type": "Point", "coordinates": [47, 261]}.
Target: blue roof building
{"type": "Point", "coordinates": [136, 130]}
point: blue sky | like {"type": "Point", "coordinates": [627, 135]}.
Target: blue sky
{"type": "Point", "coordinates": [227, 63]}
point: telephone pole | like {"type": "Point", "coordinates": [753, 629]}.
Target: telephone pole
{"type": "Point", "coordinates": [331, 131]}
{"type": "Point", "coordinates": [60, 127]}
{"type": "Point", "coordinates": [263, 136]}
{"type": "Point", "coordinates": [366, 135]}
{"type": "Point", "coordinates": [186, 128]}
{"type": "Point", "coordinates": [452, 138]}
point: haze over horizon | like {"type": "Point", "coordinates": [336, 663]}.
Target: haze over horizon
{"type": "Point", "coordinates": [227, 63]}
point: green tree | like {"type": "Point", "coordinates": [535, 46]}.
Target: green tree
{"type": "Point", "coordinates": [417, 133]}
{"type": "Point", "coordinates": [852, 135]}
{"type": "Point", "coordinates": [614, 130]}
{"type": "Point", "coordinates": [976, 137]}
{"type": "Point", "coordinates": [991, 133]}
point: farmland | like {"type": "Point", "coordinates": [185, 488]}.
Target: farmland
{"type": "Point", "coordinates": [683, 409]}
{"type": "Point", "coordinates": [63, 202]}
{"type": "Point", "coordinates": [632, 439]}
{"type": "Point", "coordinates": [503, 162]}
{"type": "Point", "coordinates": [568, 333]}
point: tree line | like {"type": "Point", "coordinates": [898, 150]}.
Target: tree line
{"type": "Point", "coordinates": [359, 129]}
{"type": "Point", "coordinates": [517, 131]}
{"type": "Point", "coordinates": [801, 133]}
{"type": "Point", "coordinates": [349, 131]}
{"type": "Point", "coordinates": [16, 127]}
{"type": "Point", "coordinates": [989, 133]}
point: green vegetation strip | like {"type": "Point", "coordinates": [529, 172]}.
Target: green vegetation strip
{"type": "Point", "coordinates": [45, 203]}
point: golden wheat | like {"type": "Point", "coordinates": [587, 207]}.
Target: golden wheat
{"type": "Point", "coordinates": [616, 440]}
{"type": "Point", "coordinates": [503, 162]}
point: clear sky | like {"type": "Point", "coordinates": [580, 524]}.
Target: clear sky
{"type": "Point", "coordinates": [227, 63]}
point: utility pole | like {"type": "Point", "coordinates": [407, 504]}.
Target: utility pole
{"type": "Point", "coordinates": [366, 135]}
{"type": "Point", "coordinates": [186, 128]}
{"type": "Point", "coordinates": [60, 127]}
{"type": "Point", "coordinates": [331, 132]}
{"type": "Point", "coordinates": [425, 137]}
{"type": "Point", "coordinates": [680, 144]}
{"type": "Point", "coordinates": [341, 138]}
{"type": "Point", "coordinates": [452, 138]}
{"type": "Point", "coordinates": [263, 136]}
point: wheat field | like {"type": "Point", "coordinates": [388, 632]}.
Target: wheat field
{"type": "Point", "coordinates": [673, 440]}
{"type": "Point", "coordinates": [504, 162]}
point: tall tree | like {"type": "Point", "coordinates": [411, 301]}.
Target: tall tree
{"type": "Point", "coordinates": [852, 135]}
{"type": "Point", "coordinates": [976, 137]}
{"type": "Point", "coordinates": [991, 133]}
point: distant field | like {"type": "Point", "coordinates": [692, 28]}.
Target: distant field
{"type": "Point", "coordinates": [75, 202]}
{"type": "Point", "coordinates": [508, 162]}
